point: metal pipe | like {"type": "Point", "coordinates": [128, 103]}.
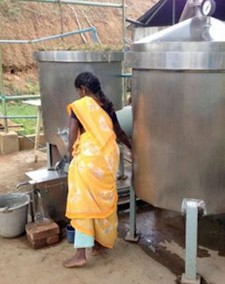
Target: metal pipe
{"type": "Point", "coordinates": [121, 165]}
{"type": "Point", "coordinates": [5, 113]}
{"type": "Point", "coordinates": [124, 46]}
{"type": "Point", "coordinates": [191, 208]}
{"type": "Point", "coordinates": [90, 29]}
{"type": "Point", "coordinates": [174, 12]}
{"type": "Point", "coordinates": [124, 23]}
{"type": "Point", "coordinates": [30, 182]}
{"type": "Point", "coordinates": [16, 98]}
{"type": "Point", "coordinates": [132, 234]}
{"type": "Point", "coordinates": [191, 240]}
{"type": "Point", "coordinates": [134, 22]}
{"type": "Point", "coordinates": [39, 214]}
{"type": "Point", "coordinates": [84, 3]}
{"type": "Point", "coordinates": [2, 92]}
{"type": "Point", "coordinates": [17, 116]}
{"type": "Point", "coordinates": [123, 75]}
{"type": "Point", "coordinates": [156, 11]}
{"type": "Point", "coordinates": [1, 73]}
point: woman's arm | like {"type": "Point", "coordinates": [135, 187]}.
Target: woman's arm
{"type": "Point", "coordinates": [73, 133]}
{"type": "Point", "coordinates": [121, 135]}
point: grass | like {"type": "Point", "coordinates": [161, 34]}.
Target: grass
{"type": "Point", "coordinates": [28, 85]}
{"type": "Point", "coordinates": [17, 108]}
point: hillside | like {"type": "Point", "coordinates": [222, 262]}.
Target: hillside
{"type": "Point", "coordinates": [32, 20]}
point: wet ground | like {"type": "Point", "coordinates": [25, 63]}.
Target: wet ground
{"type": "Point", "coordinates": [162, 237]}
{"type": "Point", "coordinates": [161, 232]}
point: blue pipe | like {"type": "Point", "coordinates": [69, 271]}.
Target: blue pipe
{"type": "Point", "coordinates": [90, 29]}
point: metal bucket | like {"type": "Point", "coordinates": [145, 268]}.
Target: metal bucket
{"type": "Point", "coordinates": [13, 214]}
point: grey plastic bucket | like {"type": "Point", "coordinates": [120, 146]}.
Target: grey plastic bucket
{"type": "Point", "coordinates": [13, 214]}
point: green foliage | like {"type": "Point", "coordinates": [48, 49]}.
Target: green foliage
{"type": "Point", "coordinates": [84, 47]}
{"type": "Point", "coordinates": [10, 9]}
{"type": "Point", "coordinates": [13, 12]}
{"type": "Point", "coordinates": [32, 86]}
{"type": "Point", "coordinates": [18, 108]}
{"type": "Point", "coordinates": [11, 88]}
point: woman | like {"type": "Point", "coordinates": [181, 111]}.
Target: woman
{"type": "Point", "coordinates": [92, 196]}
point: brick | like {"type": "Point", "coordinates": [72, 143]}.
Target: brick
{"type": "Point", "coordinates": [41, 243]}
{"type": "Point", "coordinates": [38, 243]}
{"type": "Point", "coordinates": [53, 240]}
{"type": "Point", "coordinates": [40, 235]}
{"type": "Point", "coordinates": [39, 231]}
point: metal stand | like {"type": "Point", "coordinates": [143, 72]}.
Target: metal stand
{"type": "Point", "coordinates": [38, 130]}
{"type": "Point", "coordinates": [132, 233]}
{"type": "Point", "coordinates": [191, 208]}
{"type": "Point", "coordinates": [37, 103]}
{"type": "Point", "coordinates": [122, 175]}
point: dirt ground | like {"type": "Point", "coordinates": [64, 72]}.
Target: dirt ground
{"type": "Point", "coordinates": [19, 263]}
{"type": "Point", "coordinates": [157, 258]}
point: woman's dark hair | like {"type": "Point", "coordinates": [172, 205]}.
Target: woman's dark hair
{"type": "Point", "coordinates": [91, 82]}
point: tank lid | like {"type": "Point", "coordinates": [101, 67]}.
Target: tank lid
{"type": "Point", "coordinates": [197, 43]}
{"type": "Point", "coordinates": [78, 56]}
{"type": "Point", "coordinates": [196, 29]}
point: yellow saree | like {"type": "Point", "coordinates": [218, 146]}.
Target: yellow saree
{"type": "Point", "coordinates": [92, 195]}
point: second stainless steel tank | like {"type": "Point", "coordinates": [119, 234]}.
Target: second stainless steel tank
{"type": "Point", "coordinates": [178, 97]}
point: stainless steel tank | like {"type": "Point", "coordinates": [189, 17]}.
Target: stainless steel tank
{"type": "Point", "coordinates": [178, 98]}
{"type": "Point", "coordinates": [58, 70]}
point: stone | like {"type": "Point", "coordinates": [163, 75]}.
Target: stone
{"type": "Point", "coordinates": [9, 142]}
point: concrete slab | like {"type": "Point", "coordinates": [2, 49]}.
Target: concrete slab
{"type": "Point", "coordinates": [9, 142]}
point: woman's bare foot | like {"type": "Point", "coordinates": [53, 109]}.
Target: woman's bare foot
{"type": "Point", "coordinates": [98, 249]}
{"type": "Point", "coordinates": [78, 260]}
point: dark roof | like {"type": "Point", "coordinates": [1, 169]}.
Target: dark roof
{"type": "Point", "coordinates": [165, 14]}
